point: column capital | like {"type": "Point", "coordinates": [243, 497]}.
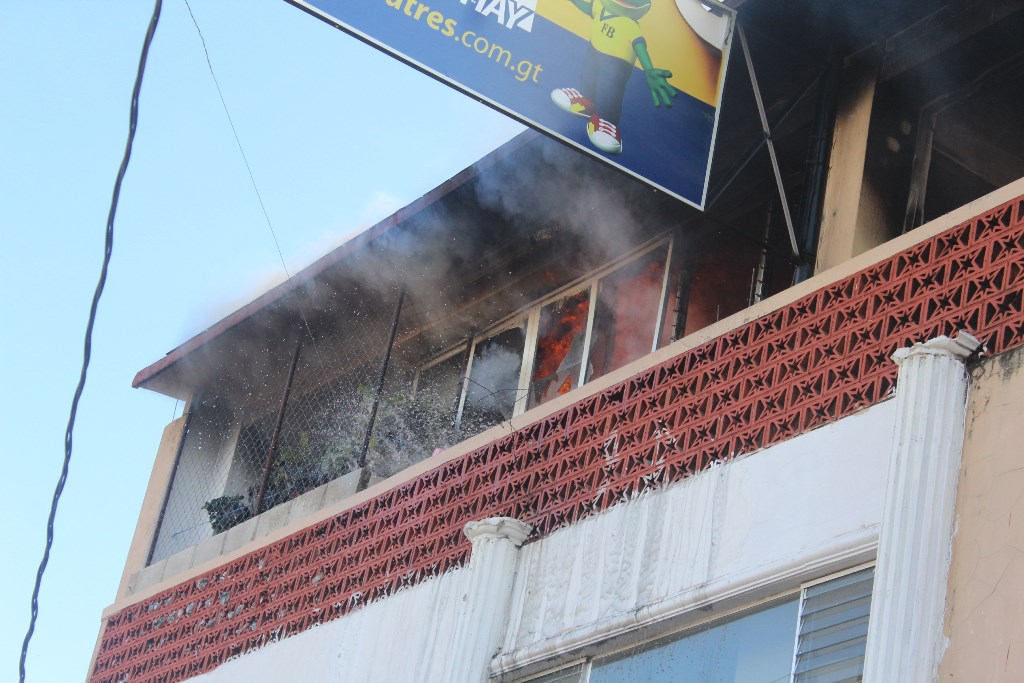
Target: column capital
{"type": "Point", "coordinates": [480, 625]}
{"type": "Point", "coordinates": [959, 347]}
{"type": "Point", "coordinates": [498, 528]}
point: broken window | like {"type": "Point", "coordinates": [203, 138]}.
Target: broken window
{"type": "Point", "coordinates": [492, 387]}
{"type": "Point", "coordinates": [628, 315]}
{"type": "Point", "coordinates": [603, 323]}
{"type": "Point", "coordinates": [561, 334]}
{"type": "Point", "coordinates": [973, 146]}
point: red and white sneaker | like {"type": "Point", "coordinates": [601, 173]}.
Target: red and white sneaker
{"type": "Point", "coordinates": [604, 135]}
{"type": "Point", "coordinates": [572, 101]}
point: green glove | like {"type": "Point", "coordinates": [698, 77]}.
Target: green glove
{"type": "Point", "coordinates": [657, 79]}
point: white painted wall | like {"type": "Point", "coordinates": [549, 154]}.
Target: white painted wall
{"type": "Point", "coordinates": [401, 638]}
{"type": "Point", "coordinates": [752, 527]}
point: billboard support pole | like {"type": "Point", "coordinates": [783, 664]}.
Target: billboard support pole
{"type": "Point", "coordinates": [734, 171]}
{"type": "Point", "coordinates": [768, 141]}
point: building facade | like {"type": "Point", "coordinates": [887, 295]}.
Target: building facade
{"type": "Point", "coordinates": [544, 424]}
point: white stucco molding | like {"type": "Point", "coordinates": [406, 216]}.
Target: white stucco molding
{"type": "Point", "coordinates": [905, 640]}
{"type": "Point", "coordinates": [481, 623]}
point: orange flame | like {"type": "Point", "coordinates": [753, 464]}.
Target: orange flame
{"type": "Point", "coordinates": [558, 334]}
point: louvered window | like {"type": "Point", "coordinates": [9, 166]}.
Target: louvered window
{"type": "Point", "coordinates": [833, 629]}
{"type": "Point", "coordinates": [752, 646]}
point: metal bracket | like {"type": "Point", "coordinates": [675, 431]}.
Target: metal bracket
{"type": "Point", "coordinates": [769, 142]}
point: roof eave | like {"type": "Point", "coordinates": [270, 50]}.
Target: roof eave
{"type": "Point", "coordinates": [144, 378]}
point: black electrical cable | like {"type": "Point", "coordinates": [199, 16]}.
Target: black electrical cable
{"type": "Point", "coordinates": [87, 351]}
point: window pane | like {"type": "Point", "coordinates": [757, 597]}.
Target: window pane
{"type": "Point", "coordinates": [628, 303]}
{"type": "Point", "coordinates": [493, 380]}
{"type": "Point", "coordinates": [755, 648]}
{"type": "Point", "coordinates": [560, 339]}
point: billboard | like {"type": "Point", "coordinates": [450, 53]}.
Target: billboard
{"type": "Point", "coordinates": [635, 83]}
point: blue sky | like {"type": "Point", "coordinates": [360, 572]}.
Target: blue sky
{"type": "Point", "coordinates": [338, 136]}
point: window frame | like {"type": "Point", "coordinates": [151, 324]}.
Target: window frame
{"type": "Point", "coordinates": [533, 337]}
{"type": "Point", "coordinates": [517, 320]}
{"type": "Point", "coordinates": [434, 361]}
{"type": "Point", "coordinates": [604, 651]}
{"type": "Point", "coordinates": [529, 317]}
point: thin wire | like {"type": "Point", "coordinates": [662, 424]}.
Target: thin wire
{"type": "Point", "coordinates": [133, 120]}
{"type": "Point", "coordinates": [245, 159]}
{"type": "Point", "coordinates": [252, 178]}
{"type": "Point", "coordinates": [493, 395]}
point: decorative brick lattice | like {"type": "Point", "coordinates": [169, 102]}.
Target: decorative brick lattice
{"type": "Point", "coordinates": [814, 361]}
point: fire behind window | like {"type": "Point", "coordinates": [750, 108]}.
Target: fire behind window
{"type": "Point", "coordinates": [560, 345]}
{"type": "Point", "coordinates": [493, 384]}
{"type": "Point", "coordinates": [609, 321]}
{"type": "Point", "coordinates": [629, 303]}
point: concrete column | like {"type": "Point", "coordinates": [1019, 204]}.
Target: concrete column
{"type": "Point", "coordinates": [153, 502]}
{"type": "Point", "coordinates": [844, 232]}
{"type": "Point", "coordinates": [905, 640]}
{"type": "Point", "coordinates": [492, 571]}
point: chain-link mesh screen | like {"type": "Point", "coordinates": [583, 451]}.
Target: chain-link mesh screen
{"type": "Point", "coordinates": [471, 267]}
{"type": "Point", "coordinates": [288, 400]}
{"type": "Point", "coordinates": [235, 462]}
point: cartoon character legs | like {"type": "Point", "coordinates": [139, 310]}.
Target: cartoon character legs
{"type": "Point", "coordinates": [599, 99]}
{"type": "Point", "coordinates": [604, 80]}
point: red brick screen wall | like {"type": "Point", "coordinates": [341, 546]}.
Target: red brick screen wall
{"type": "Point", "coordinates": [814, 361]}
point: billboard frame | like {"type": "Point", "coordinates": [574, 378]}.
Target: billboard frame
{"type": "Point", "coordinates": [534, 125]}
